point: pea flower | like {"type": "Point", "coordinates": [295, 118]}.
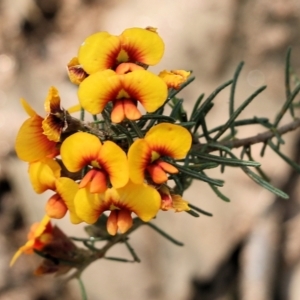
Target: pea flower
{"type": "Point", "coordinates": [164, 139]}
{"type": "Point", "coordinates": [175, 78]}
{"type": "Point", "coordinates": [31, 144]}
{"type": "Point", "coordinates": [45, 175]}
{"type": "Point", "coordinates": [101, 51]}
{"type": "Point", "coordinates": [40, 234]}
{"type": "Point", "coordinates": [107, 162]}
{"type": "Point", "coordinates": [124, 87]}
{"type": "Point", "coordinates": [172, 201]}
{"type": "Point", "coordinates": [142, 199]}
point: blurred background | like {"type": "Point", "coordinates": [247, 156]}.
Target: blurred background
{"type": "Point", "coordinates": [250, 248]}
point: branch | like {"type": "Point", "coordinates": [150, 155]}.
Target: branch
{"type": "Point", "coordinates": [259, 138]}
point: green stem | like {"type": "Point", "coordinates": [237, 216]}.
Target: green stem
{"type": "Point", "coordinates": [82, 289]}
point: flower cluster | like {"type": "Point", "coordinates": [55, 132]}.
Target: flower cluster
{"type": "Point", "coordinates": [105, 166]}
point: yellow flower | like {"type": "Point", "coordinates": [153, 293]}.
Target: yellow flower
{"type": "Point", "coordinates": [108, 161]}
{"type": "Point", "coordinates": [164, 139]}
{"type": "Point", "coordinates": [102, 51]}
{"type": "Point", "coordinates": [142, 199]}
{"type": "Point", "coordinates": [75, 72]}
{"type": "Point", "coordinates": [172, 201]}
{"type": "Point", "coordinates": [55, 120]}
{"type": "Point", "coordinates": [175, 78]}
{"type": "Point", "coordinates": [124, 87]}
{"type": "Point", "coordinates": [45, 175]}
{"type": "Point", "coordinates": [40, 235]}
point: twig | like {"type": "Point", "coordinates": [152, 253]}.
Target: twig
{"type": "Point", "coordinates": [259, 138]}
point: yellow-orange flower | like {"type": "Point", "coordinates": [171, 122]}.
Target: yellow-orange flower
{"type": "Point", "coordinates": [45, 175]}
{"type": "Point", "coordinates": [75, 72]}
{"type": "Point", "coordinates": [55, 120]}
{"type": "Point", "coordinates": [175, 78]}
{"type": "Point", "coordinates": [108, 161]}
{"type": "Point", "coordinates": [38, 137]}
{"type": "Point", "coordinates": [40, 235]}
{"type": "Point", "coordinates": [141, 199]}
{"type": "Point", "coordinates": [164, 139]}
{"type": "Point", "coordinates": [172, 201]}
{"type": "Point", "coordinates": [102, 51]}
{"type": "Point", "coordinates": [125, 86]}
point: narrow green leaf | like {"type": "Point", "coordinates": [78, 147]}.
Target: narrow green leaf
{"type": "Point", "coordinates": [227, 161]}
{"type": "Point", "coordinates": [132, 252]}
{"type": "Point", "coordinates": [240, 123]}
{"type": "Point", "coordinates": [125, 131]}
{"type": "Point", "coordinates": [219, 194]}
{"type": "Point", "coordinates": [287, 79]}
{"type": "Point", "coordinates": [203, 166]}
{"type": "Point", "coordinates": [164, 234]}
{"type": "Point", "coordinates": [238, 111]}
{"type": "Point", "coordinates": [210, 98]}
{"type": "Point", "coordinates": [118, 259]}
{"type": "Point", "coordinates": [286, 105]}
{"type": "Point", "coordinates": [82, 114]}
{"type": "Point", "coordinates": [136, 128]}
{"type": "Point", "coordinates": [195, 108]}
{"type": "Point", "coordinates": [82, 289]}
{"type": "Point", "coordinates": [264, 183]}
{"type": "Point", "coordinates": [174, 92]}
{"type": "Point", "coordinates": [192, 213]}
{"type": "Point", "coordinates": [200, 210]}
{"type": "Point", "coordinates": [177, 109]}
{"type": "Point", "coordinates": [232, 92]}
{"type": "Point", "coordinates": [197, 175]}
{"type": "Point", "coordinates": [285, 158]}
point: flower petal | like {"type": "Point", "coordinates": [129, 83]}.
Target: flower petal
{"type": "Point", "coordinates": [74, 151]}
{"type": "Point", "coordinates": [114, 161]}
{"type": "Point", "coordinates": [147, 88]}
{"type": "Point", "coordinates": [118, 113]}
{"type": "Point", "coordinates": [36, 231]}
{"type": "Point", "coordinates": [142, 45]}
{"type": "Point", "coordinates": [99, 52]}
{"type": "Point", "coordinates": [54, 123]}
{"type": "Point", "coordinates": [167, 167]}
{"type": "Point", "coordinates": [139, 156]}
{"type": "Point", "coordinates": [55, 207]}
{"type": "Point", "coordinates": [97, 180]}
{"type": "Point", "coordinates": [130, 110]}
{"type": "Point", "coordinates": [88, 206]}
{"type": "Point", "coordinates": [43, 175]}
{"type": "Point", "coordinates": [28, 108]}
{"type": "Point", "coordinates": [97, 90]}
{"type": "Point", "coordinates": [75, 71]}
{"type": "Point", "coordinates": [175, 78]}
{"type": "Point", "coordinates": [179, 204]}
{"type": "Point", "coordinates": [157, 173]}
{"type": "Point", "coordinates": [31, 144]}
{"type": "Point", "coordinates": [170, 140]}
{"type": "Point", "coordinates": [141, 199]}
{"type": "Point", "coordinates": [112, 223]}
{"type": "Point", "coordinates": [124, 221]}
{"type": "Point", "coordinates": [67, 190]}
